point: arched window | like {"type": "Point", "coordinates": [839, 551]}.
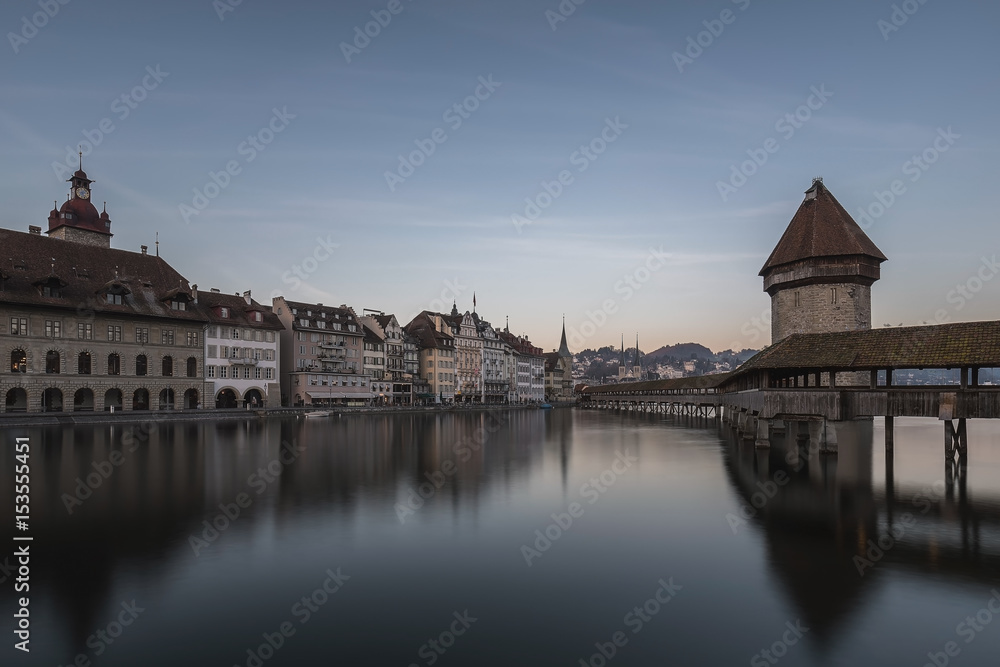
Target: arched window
{"type": "Point", "coordinates": [141, 365]}
{"type": "Point", "coordinates": [168, 367]}
{"type": "Point", "coordinates": [18, 361]}
{"type": "Point", "coordinates": [52, 362]}
{"type": "Point", "coordinates": [83, 363]}
{"type": "Point", "coordinates": [114, 364]}
{"type": "Point", "coordinates": [192, 367]}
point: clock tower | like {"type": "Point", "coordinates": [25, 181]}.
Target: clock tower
{"type": "Point", "coordinates": [77, 220]}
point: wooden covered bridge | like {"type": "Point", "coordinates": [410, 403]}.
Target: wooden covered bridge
{"type": "Point", "coordinates": [813, 382]}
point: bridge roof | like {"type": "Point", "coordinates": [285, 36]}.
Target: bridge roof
{"type": "Point", "coordinates": [957, 345]}
{"type": "Point", "coordinates": [821, 228]}
{"type": "Point", "coordinates": [695, 382]}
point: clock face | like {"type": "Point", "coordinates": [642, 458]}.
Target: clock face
{"type": "Point", "coordinates": [82, 193]}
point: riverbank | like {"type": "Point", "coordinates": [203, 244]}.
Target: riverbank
{"type": "Point", "coordinates": [18, 419]}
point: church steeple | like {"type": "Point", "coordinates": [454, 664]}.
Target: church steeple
{"type": "Point", "coordinates": [563, 347]}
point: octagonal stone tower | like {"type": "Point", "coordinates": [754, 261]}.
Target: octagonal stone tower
{"type": "Point", "coordinates": [820, 274]}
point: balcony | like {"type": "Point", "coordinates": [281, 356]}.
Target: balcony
{"type": "Point", "coordinates": [243, 362]}
{"type": "Point", "coordinates": [332, 346]}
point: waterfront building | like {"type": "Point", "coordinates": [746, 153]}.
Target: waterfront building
{"type": "Point", "coordinates": [241, 351]}
{"type": "Point", "coordinates": [419, 388]}
{"type": "Point", "coordinates": [89, 327]}
{"type": "Point", "coordinates": [496, 381]}
{"type": "Point", "coordinates": [374, 362]}
{"type": "Point", "coordinates": [397, 371]}
{"type": "Point", "coordinates": [433, 335]}
{"type": "Point", "coordinates": [468, 357]}
{"type": "Point", "coordinates": [820, 274]}
{"type": "Point", "coordinates": [559, 372]}
{"type": "Point", "coordinates": [321, 354]}
{"type": "Point", "coordinates": [529, 368]}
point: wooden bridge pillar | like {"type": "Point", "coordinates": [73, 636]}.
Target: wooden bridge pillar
{"type": "Point", "coordinates": [763, 440]}
{"type": "Point", "coordinates": [956, 441]}
{"type": "Point", "coordinates": [889, 436]}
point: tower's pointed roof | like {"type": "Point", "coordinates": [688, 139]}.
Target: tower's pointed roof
{"type": "Point", "coordinates": [821, 228]}
{"type": "Point", "coordinates": [563, 347]}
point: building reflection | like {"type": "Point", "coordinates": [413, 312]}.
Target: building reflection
{"type": "Point", "coordinates": [833, 534]}
{"type": "Point", "coordinates": [137, 517]}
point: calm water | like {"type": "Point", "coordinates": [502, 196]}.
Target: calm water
{"type": "Point", "coordinates": [659, 507]}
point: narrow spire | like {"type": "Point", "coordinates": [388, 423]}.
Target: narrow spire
{"type": "Point", "coordinates": [80, 151]}
{"type": "Point", "coordinates": [563, 347]}
{"type": "Point", "coordinates": [157, 244]}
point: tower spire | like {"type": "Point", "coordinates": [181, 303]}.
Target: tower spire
{"type": "Point", "coordinates": [563, 347]}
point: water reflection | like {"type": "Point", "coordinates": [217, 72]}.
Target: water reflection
{"type": "Point", "coordinates": [832, 534]}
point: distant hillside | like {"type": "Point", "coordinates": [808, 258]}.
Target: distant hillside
{"type": "Point", "coordinates": [604, 362]}
{"type": "Point", "coordinates": [683, 351]}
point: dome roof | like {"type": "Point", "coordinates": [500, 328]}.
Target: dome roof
{"type": "Point", "coordinates": [81, 213]}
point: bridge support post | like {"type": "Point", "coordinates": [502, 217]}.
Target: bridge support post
{"type": "Point", "coordinates": [829, 444]}
{"type": "Point", "coordinates": [750, 427]}
{"type": "Point", "coordinates": [962, 440]}
{"type": "Point", "coordinates": [956, 441]}
{"type": "Point", "coordinates": [889, 436]}
{"type": "Point", "coordinates": [763, 434]}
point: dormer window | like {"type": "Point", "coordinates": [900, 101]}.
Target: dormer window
{"type": "Point", "coordinates": [114, 299]}
{"type": "Point", "coordinates": [51, 287]}
{"type": "Point", "coordinates": [224, 312]}
{"type": "Point", "coordinates": [258, 316]}
{"type": "Point", "coordinates": [177, 304]}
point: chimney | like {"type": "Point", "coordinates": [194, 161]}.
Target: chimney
{"type": "Point", "coordinates": [143, 248]}
{"type": "Point", "coordinates": [216, 290]}
{"type": "Point", "coordinates": [194, 292]}
{"type": "Point", "coordinates": [246, 297]}
{"type": "Point", "coordinates": [34, 229]}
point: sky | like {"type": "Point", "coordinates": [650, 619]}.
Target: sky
{"type": "Point", "coordinates": [595, 166]}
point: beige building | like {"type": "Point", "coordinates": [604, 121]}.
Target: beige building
{"type": "Point", "coordinates": [89, 327]}
{"type": "Point", "coordinates": [321, 355]}
{"type": "Point", "coordinates": [437, 351]}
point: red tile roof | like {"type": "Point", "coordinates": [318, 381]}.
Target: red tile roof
{"type": "Point", "coordinates": [821, 228]}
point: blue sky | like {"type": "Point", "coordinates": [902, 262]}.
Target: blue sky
{"type": "Point", "coordinates": [447, 229]}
